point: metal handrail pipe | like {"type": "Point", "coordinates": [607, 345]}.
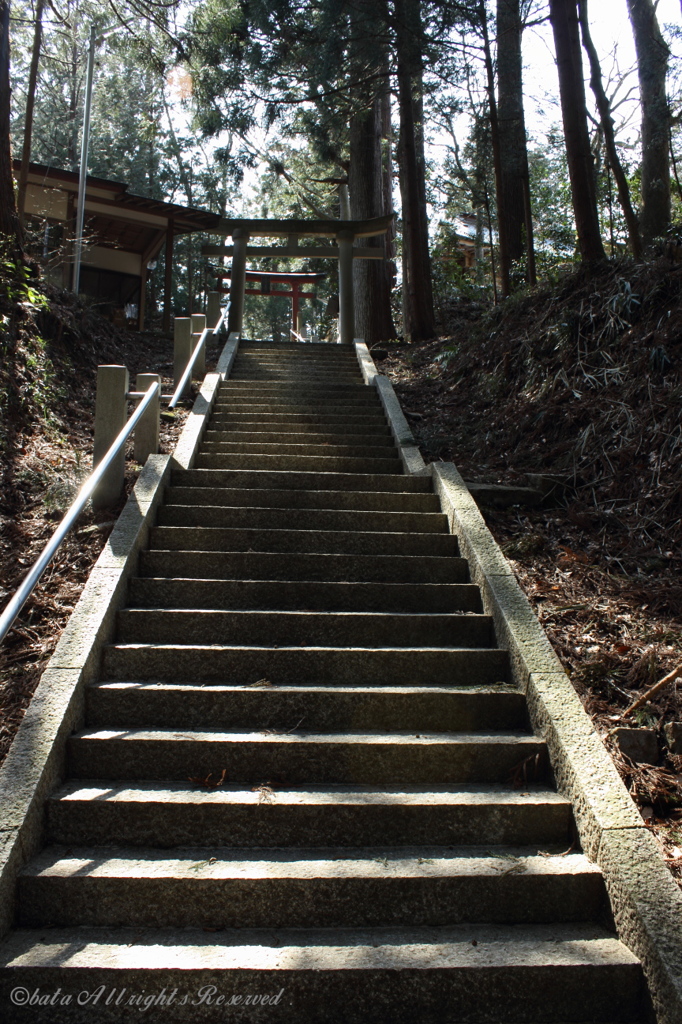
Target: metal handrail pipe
{"type": "Point", "coordinates": [184, 380]}
{"type": "Point", "coordinates": [135, 396]}
{"type": "Point", "coordinates": [28, 585]}
{"type": "Point", "coordinates": [186, 377]}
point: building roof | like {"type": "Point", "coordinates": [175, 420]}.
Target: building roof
{"type": "Point", "coordinates": [118, 218]}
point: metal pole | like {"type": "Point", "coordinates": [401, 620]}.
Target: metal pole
{"type": "Point", "coordinates": [82, 179]}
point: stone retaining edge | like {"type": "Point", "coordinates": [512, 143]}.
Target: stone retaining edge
{"type": "Point", "coordinates": [36, 761]}
{"type": "Point", "coordinates": [645, 900]}
{"type": "Point", "coordinates": [410, 456]}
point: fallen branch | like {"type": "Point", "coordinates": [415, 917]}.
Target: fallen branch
{"type": "Point", "coordinates": [654, 689]}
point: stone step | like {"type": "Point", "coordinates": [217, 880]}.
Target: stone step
{"type": "Point", "coordinates": [342, 666]}
{"type": "Point", "coordinates": [282, 565]}
{"type": "Point", "coordinates": [145, 813]}
{"type": "Point", "coordinates": [281, 595]}
{"type": "Point", "coordinates": [321, 708]}
{"type": "Point", "coordinates": [290, 377]}
{"type": "Point", "coordinates": [280, 356]}
{"type": "Point", "coordinates": [313, 888]}
{"type": "Point", "coordinates": [528, 973]}
{"type": "Point", "coordinates": [279, 359]}
{"type": "Point", "coordinates": [341, 374]}
{"type": "Point", "coordinates": [313, 399]}
{"type": "Point", "coordinates": [225, 516]}
{"type": "Point", "coordinates": [252, 361]}
{"type": "Point", "coordinates": [297, 758]}
{"type": "Point", "coordinates": [277, 364]}
{"type": "Point", "coordinates": [323, 409]}
{"type": "Point", "coordinates": [295, 352]}
{"type": "Point", "coordinates": [311, 629]}
{"type": "Point", "coordinates": [291, 421]}
{"type": "Point", "coordinates": [281, 498]}
{"type": "Point", "coordinates": [299, 385]}
{"type": "Point", "coordinates": [301, 771]}
{"type": "Point", "coordinates": [291, 402]}
{"type": "Point", "coordinates": [301, 480]}
{"type": "Point", "coordinates": [226, 445]}
{"type": "Point", "coordinates": [223, 539]}
{"type": "Point", "coordinates": [381, 437]}
{"type": "Point", "coordinates": [284, 361]}
{"type": "Point", "coordinates": [281, 350]}
{"type": "Point", "coordinates": [343, 396]}
{"type": "Point", "coordinates": [300, 463]}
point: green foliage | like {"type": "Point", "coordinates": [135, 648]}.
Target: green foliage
{"type": "Point", "coordinates": [15, 282]}
{"type": "Point", "coordinates": [555, 238]}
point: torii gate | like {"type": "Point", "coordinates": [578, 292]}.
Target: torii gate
{"type": "Point", "coordinates": [345, 232]}
{"type": "Point", "coordinates": [265, 277]}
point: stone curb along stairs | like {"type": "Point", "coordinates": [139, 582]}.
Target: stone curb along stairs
{"type": "Point", "coordinates": [294, 757]}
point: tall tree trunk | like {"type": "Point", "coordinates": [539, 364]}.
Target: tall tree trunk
{"type": "Point", "coordinates": [418, 314]}
{"type": "Point", "coordinates": [387, 164]}
{"type": "Point", "coordinates": [10, 230]}
{"type": "Point", "coordinates": [30, 104]}
{"type": "Point", "coordinates": [505, 262]}
{"type": "Point", "coordinates": [373, 320]}
{"type": "Point", "coordinates": [604, 108]}
{"type": "Point", "coordinates": [515, 183]}
{"type": "Point", "coordinates": [564, 18]}
{"type": "Point", "coordinates": [74, 91]}
{"type": "Point", "coordinates": [652, 67]}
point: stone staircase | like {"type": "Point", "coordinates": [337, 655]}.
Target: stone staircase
{"type": "Point", "coordinates": [305, 789]}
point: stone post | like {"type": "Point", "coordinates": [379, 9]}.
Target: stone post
{"type": "Point", "coordinates": [198, 327]}
{"type": "Point", "coordinates": [111, 413]}
{"type": "Point", "coordinates": [147, 430]}
{"type": "Point", "coordinates": [346, 300]}
{"type": "Point", "coordinates": [182, 349]}
{"type": "Point", "coordinates": [240, 240]}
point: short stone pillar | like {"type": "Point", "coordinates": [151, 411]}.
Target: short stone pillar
{"type": "Point", "coordinates": [182, 350]}
{"type": "Point", "coordinates": [198, 328]}
{"type": "Point", "coordinates": [111, 414]}
{"type": "Point", "coordinates": [346, 300]}
{"type": "Point", "coordinates": [212, 309]}
{"type": "Point", "coordinates": [147, 430]}
{"type": "Point", "coordinates": [240, 239]}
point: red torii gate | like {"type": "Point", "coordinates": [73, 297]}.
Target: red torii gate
{"type": "Point", "coordinates": [265, 278]}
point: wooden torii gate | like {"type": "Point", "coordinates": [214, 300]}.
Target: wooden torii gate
{"type": "Point", "coordinates": [266, 277]}
{"type": "Point", "coordinates": [344, 232]}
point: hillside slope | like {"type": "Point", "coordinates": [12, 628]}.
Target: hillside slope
{"type": "Point", "coordinates": [50, 346]}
